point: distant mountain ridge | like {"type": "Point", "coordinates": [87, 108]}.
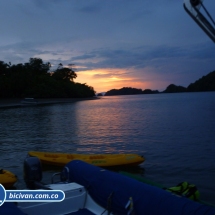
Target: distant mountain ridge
{"type": "Point", "coordinates": [205, 83]}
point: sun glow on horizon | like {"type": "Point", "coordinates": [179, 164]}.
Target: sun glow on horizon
{"type": "Point", "coordinates": [106, 79]}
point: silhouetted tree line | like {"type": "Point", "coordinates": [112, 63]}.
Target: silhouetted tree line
{"type": "Point", "coordinates": [172, 88]}
{"type": "Point", "coordinates": [129, 91]}
{"type": "Point", "coordinates": [34, 79]}
{"type": "Point", "coordinates": [204, 84]}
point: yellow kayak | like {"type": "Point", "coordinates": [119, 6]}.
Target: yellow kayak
{"type": "Point", "coordinates": [7, 178]}
{"type": "Point", "coordinates": [103, 160]}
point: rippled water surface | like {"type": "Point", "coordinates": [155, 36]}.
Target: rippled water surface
{"type": "Point", "coordinates": [174, 132]}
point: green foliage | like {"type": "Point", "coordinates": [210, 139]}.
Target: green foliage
{"type": "Point", "coordinates": [64, 74]}
{"type": "Point", "coordinates": [3, 68]}
{"type": "Point", "coordinates": [34, 79]}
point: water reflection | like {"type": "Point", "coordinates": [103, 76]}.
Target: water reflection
{"type": "Point", "coordinates": [175, 133]}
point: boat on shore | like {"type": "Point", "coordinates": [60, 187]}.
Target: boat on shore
{"type": "Point", "coordinates": [93, 190]}
{"type": "Point", "coordinates": [102, 160]}
{"type": "Point", "coordinates": [7, 178]}
{"type": "Point", "coordinates": [29, 101]}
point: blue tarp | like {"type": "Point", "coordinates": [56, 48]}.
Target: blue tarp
{"type": "Point", "coordinates": [9, 208]}
{"type": "Point", "coordinates": [114, 191]}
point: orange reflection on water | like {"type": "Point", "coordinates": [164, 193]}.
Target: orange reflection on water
{"type": "Point", "coordinates": [103, 120]}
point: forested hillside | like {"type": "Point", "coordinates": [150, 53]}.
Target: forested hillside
{"type": "Point", "coordinates": [35, 79]}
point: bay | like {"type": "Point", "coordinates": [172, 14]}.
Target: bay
{"type": "Point", "coordinates": [174, 132]}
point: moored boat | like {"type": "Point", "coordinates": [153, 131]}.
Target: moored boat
{"type": "Point", "coordinates": [7, 178]}
{"type": "Point", "coordinates": [29, 101]}
{"type": "Point", "coordinates": [102, 160]}
{"type": "Point", "coordinates": [92, 190]}
{"type": "Point", "coordinates": [129, 196]}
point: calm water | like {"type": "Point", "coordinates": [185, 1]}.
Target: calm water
{"type": "Point", "coordinates": [174, 132]}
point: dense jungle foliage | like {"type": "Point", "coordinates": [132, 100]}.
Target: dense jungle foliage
{"type": "Point", "coordinates": [34, 79]}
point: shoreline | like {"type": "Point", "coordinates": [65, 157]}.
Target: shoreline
{"type": "Point", "coordinates": [14, 103]}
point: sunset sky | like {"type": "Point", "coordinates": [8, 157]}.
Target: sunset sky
{"type": "Point", "coordinates": [113, 43]}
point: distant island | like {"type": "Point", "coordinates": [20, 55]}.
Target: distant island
{"type": "Point", "coordinates": [129, 91]}
{"type": "Point", "coordinates": [206, 83]}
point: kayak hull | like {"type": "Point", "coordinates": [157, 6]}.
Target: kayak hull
{"type": "Point", "coordinates": [7, 178]}
{"type": "Point", "coordinates": [102, 160]}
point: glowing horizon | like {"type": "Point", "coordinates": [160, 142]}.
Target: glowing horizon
{"type": "Point", "coordinates": [103, 80]}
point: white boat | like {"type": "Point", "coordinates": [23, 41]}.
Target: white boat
{"type": "Point", "coordinates": [77, 200]}
{"type": "Point", "coordinates": [92, 190]}
{"type": "Point", "coordinates": [29, 101]}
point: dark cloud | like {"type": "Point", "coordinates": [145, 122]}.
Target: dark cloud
{"type": "Point", "coordinates": [93, 8]}
{"type": "Point", "coordinates": [136, 57]}
{"type": "Point", "coordinates": [85, 57]}
{"type": "Point", "coordinates": [46, 4]}
{"type": "Point", "coordinates": [95, 34]}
